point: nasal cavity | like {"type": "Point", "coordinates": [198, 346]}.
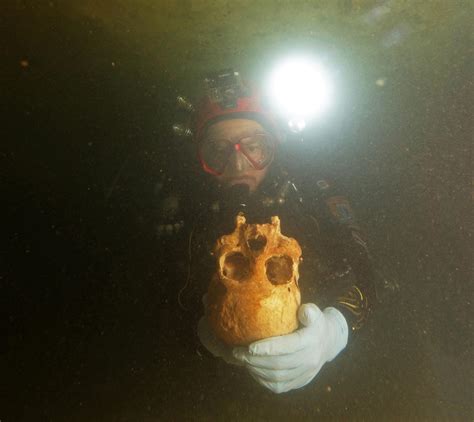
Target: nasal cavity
{"type": "Point", "coordinates": [257, 243]}
{"type": "Point", "coordinates": [279, 269]}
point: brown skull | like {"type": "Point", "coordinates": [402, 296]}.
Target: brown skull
{"type": "Point", "coordinates": [254, 293]}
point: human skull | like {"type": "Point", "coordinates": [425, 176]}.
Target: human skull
{"type": "Point", "coordinates": [254, 293]}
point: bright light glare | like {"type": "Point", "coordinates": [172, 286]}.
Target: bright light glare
{"type": "Point", "coordinates": [300, 89]}
{"type": "Point", "coordinates": [297, 125]}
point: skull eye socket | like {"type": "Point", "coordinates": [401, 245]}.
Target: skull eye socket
{"type": "Point", "coordinates": [236, 266]}
{"type": "Point", "coordinates": [279, 269]}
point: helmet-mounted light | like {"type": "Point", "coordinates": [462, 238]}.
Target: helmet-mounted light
{"type": "Point", "coordinates": [183, 130]}
{"type": "Point", "coordinates": [300, 90]}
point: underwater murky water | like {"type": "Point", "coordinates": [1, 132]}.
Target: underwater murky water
{"type": "Point", "coordinates": [92, 327]}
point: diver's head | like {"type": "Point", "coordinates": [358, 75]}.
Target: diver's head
{"type": "Point", "coordinates": [237, 151]}
{"type": "Point", "coordinates": [235, 133]}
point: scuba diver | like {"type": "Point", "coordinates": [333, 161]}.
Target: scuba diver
{"type": "Point", "coordinates": [237, 138]}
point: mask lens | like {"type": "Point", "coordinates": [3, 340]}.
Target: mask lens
{"type": "Point", "coordinates": [215, 154]}
{"type": "Point", "coordinates": [258, 149]}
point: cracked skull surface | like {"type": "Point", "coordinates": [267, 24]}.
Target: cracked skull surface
{"type": "Point", "coordinates": [254, 293]}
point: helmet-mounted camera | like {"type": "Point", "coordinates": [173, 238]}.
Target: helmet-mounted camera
{"type": "Point", "coordinates": [225, 88]}
{"type": "Point", "coordinates": [225, 96]}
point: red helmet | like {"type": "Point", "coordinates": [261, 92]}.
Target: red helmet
{"type": "Point", "coordinates": [246, 104]}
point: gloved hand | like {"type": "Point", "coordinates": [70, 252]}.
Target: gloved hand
{"type": "Point", "coordinates": [283, 363]}
{"type": "Point", "coordinates": [213, 344]}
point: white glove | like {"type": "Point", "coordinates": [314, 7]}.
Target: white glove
{"type": "Point", "coordinates": [291, 361]}
{"type": "Point", "coordinates": [217, 347]}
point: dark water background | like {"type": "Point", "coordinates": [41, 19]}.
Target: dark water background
{"type": "Point", "coordinates": [84, 142]}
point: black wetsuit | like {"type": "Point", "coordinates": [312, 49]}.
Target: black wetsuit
{"type": "Point", "coordinates": [336, 269]}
